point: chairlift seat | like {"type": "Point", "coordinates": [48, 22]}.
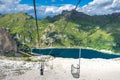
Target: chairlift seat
{"type": "Point", "coordinates": [75, 71]}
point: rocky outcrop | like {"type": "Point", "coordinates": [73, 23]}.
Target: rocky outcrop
{"type": "Point", "coordinates": [8, 46]}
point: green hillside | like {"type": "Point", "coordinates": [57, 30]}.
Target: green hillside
{"type": "Point", "coordinates": [68, 29]}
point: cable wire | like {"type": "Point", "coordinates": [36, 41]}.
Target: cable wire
{"type": "Point", "coordinates": [77, 4]}
{"type": "Point", "coordinates": [36, 21]}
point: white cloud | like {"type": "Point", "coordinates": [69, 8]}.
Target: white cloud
{"type": "Point", "coordinates": [57, 10]}
{"type": "Point", "coordinates": [53, 10]}
{"type": "Point", "coordinates": [92, 8]}
{"type": "Point", "coordinates": [99, 7]}
{"type": "Point", "coordinates": [13, 6]}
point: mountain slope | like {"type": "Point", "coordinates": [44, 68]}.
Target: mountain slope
{"type": "Point", "coordinates": [68, 29]}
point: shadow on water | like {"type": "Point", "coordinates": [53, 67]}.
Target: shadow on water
{"type": "Point", "coordinates": [74, 53]}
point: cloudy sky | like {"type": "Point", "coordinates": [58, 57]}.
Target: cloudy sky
{"type": "Point", "coordinates": [53, 7]}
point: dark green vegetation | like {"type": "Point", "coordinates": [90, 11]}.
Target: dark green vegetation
{"type": "Point", "coordinates": [68, 29]}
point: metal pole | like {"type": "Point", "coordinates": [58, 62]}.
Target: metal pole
{"type": "Point", "coordinates": [79, 60]}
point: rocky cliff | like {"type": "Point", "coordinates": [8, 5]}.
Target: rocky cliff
{"type": "Point", "coordinates": [8, 46]}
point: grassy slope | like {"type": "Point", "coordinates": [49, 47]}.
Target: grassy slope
{"type": "Point", "coordinates": [66, 30]}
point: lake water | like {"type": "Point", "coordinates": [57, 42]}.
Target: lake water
{"type": "Point", "coordinates": [73, 53]}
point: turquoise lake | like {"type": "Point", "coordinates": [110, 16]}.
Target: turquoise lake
{"type": "Point", "coordinates": [74, 53]}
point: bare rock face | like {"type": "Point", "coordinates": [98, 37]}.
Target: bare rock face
{"type": "Point", "coordinates": [8, 46]}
